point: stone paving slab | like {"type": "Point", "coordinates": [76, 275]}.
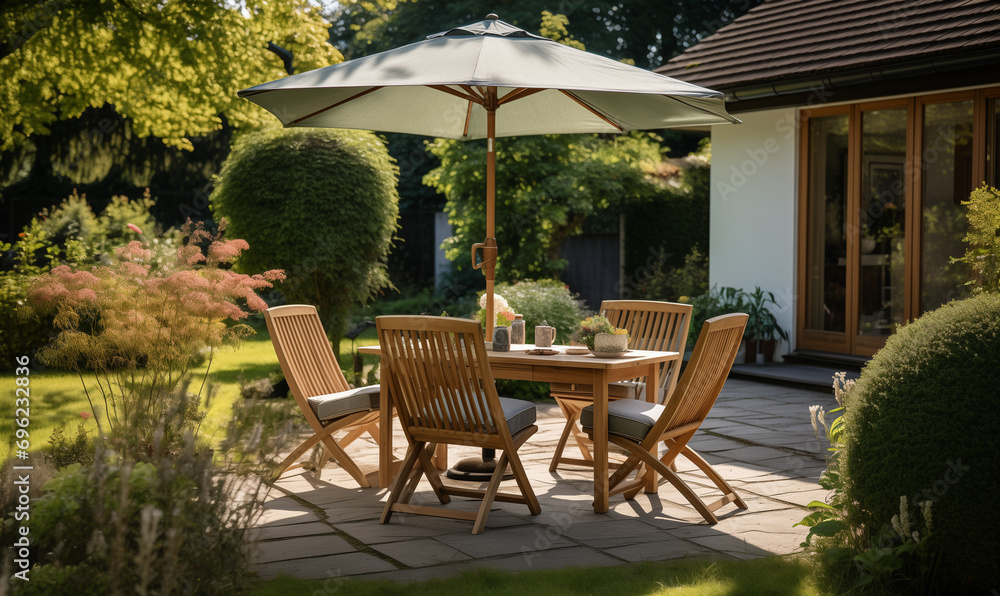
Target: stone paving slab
{"type": "Point", "coordinates": [758, 437]}
{"type": "Point", "coordinates": [301, 548]}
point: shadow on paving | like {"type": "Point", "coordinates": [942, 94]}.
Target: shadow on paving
{"type": "Point", "coordinates": [758, 437]}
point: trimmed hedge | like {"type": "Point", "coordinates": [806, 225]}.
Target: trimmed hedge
{"type": "Point", "coordinates": [922, 422]}
{"type": "Point", "coordinates": [320, 204]}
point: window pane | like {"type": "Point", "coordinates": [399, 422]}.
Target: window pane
{"type": "Point", "coordinates": [883, 205]}
{"type": "Point", "coordinates": [946, 159]}
{"type": "Point", "coordinates": [826, 235]}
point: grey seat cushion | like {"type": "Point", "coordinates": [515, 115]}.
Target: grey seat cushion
{"type": "Point", "coordinates": [335, 405]}
{"type": "Point", "coordinates": [627, 418]}
{"type": "Point", "coordinates": [520, 414]}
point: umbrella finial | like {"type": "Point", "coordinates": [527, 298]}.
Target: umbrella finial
{"type": "Point", "coordinates": [492, 17]}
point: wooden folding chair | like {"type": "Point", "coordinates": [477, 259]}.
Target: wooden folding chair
{"type": "Point", "coordinates": [661, 326]}
{"type": "Point", "coordinates": [638, 426]}
{"type": "Point", "coordinates": [320, 389]}
{"type": "Point", "coordinates": [443, 390]}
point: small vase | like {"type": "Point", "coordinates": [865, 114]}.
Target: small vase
{"type": "Point", "coordinates": [517, 330]}
{"type": "Point", "coordinates": [501, 339]}
{"type": "Point", "coordinates": [608, 342]}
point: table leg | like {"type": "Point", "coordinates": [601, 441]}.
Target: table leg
{"type": "Point", "coordinates": [385, 435]}
{"type": "Point", "coordinates": [652, 381]}
{"type": "Point", "coordinates": [600, 441]}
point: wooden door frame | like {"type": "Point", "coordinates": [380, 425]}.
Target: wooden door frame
{"type": "Point", "coordinates": [830, 341]}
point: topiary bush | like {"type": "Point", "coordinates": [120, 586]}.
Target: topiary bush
{"type": "Point", "coordinates": [320, 204]}
{"type": "Point", "coordinates": [922, 423]}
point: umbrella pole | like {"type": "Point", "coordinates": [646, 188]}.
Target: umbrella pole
{"type": "Point", "coordinates": [489, 246]}
{"type": "Point", "coordinates": [475, 469]}
{"type": "Point", "coordinates": [490, 253]}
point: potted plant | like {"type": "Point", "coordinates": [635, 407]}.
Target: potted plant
{"type": "Point", "coordinates": [762, 326]}
{"type": "Point", "coordinates": [503, 314]}
{"type": "Point", "coordinates": [600, 335]}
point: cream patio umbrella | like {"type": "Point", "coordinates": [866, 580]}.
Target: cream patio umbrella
{"type": "Point", "coordinates": [455, 83]}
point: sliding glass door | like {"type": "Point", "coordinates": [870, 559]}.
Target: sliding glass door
{"type": "Point", "coordinates": [881, 217]}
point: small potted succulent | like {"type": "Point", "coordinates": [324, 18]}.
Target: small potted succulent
{"type": "Point", "coordinates": [600, 335]}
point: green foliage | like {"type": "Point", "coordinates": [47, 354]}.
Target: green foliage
{"type": "Point", "coordinates": [717, 301]}
{"type": "Point", "coordinates": [80, 580]}
{"type": "Point", "coordinates": [899, 560]}
{"type": "Point", "coordinates": [320, 204]}
{"type": "Point", "coordinates": [983, 253]}
{"type": "Point", "coordinates": [174, 523]}
{"type": "Point", "coordinates": [119, 213]}
{"type": "Point", "coordinates": [71, 227]}
{"type": "Point", "coordinates": [554, 27]}
{"type": "Point", "coordinates": [172, 68]}
{"type": "Point", "coordinates": [676, 285]}
{"type": "Point", "coordinates": [69, 234]}
{"type": "Point", "coordinates": [917, 427]}
{"type": "Point", "coordinates": [545, 300]}
{"type": "Point", "coordinates": [762, 324]}
{"type": "Point", "coordinates": [547, 186]}
{"type": "Point", "coordinates": [78, 450]}
{"type": "Point", "coordinates": [663, 230]}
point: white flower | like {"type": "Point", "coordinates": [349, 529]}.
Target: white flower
{"type": "Point", "coordinates": [499, 302]}
{"type": "Point", "coordinates": [925, 508]}
{"type": "Point", "coordinates": [812, 418]}
{"type": "Point", "coordinates": [904, 516]}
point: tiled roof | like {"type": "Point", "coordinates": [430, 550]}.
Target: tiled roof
{"type": "Point", "coordinates": [793, 39]}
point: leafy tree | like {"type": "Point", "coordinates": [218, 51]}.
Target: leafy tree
{"type": "Point", "coordinates": [172, 68]}
{"type": "Point", "coordinates": [320, 204]}
{"type": "Point", "coordinates": [547, 186]}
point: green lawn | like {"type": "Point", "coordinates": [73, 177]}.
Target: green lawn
{"type": "Point", "coordinates": [778, 576]}
{"type": "Point", "coordinates": [57, 397]}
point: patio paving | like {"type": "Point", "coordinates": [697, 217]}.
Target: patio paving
{"type": "Point", "coordinates": [758, 437]}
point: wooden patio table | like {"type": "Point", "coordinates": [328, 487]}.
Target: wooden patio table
{"type": "Point", "coordinates": [584, 369]}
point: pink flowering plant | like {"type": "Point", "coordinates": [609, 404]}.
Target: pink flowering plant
{"type": "Point", "coordinates": [136, 329]}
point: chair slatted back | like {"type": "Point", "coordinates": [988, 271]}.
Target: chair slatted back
{"type": "Point", "coordinates": [706, 373]}
{"type": "Point", "coordinates": [651, 325]}
{"type": "Point", "coordinates": [306, 358]}
{"type": "Point", "coordinates": [442, 384]}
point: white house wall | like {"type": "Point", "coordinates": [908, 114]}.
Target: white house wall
{"type": "Point", "coordinates": [753, 211]}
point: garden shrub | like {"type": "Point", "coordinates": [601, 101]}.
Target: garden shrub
{"type": "Point", "coordinates": [177, 524]}
{"type": "Point", "coordinates": [921, 424]}
{"type": "Point", "coordinates": [64, 451]}
{"type": "Point", "coordinates": [983, 237]}
{"type": "Point", "coordinates": [68, 235]}
{"type": "Point", "coordinates": [71, 220]}
{"type": "Point", "coordinates": [140, 326]}
{"type": "Point", "coordinates": [120, 212]}
{"type": "Point", "coordinates": [320, 204]}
